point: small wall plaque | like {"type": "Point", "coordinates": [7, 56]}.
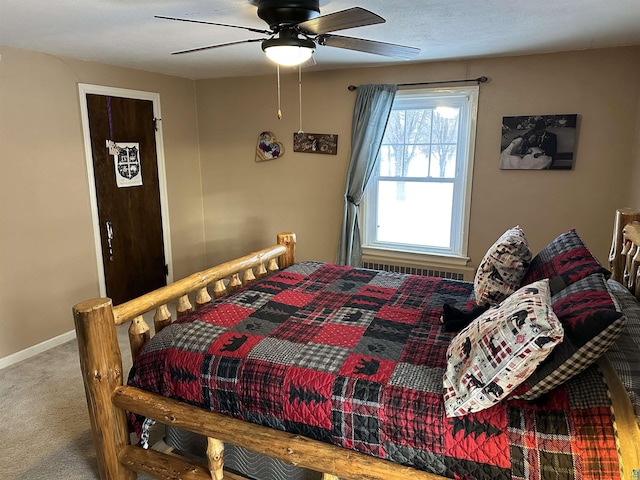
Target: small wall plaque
{"type": "Point", "coordinates": [315, 143]}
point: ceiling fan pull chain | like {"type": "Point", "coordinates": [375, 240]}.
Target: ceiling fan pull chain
{"type": "Point", "coordinates": [300, 96]}
{"type": "Point", "coordinates": [278, 75]}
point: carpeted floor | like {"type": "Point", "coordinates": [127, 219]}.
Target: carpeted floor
{"type": "Point", "coordinates": [45, 432]}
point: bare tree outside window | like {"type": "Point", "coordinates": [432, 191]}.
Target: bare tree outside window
{"type": "Point", "coordinates": [419, 143]}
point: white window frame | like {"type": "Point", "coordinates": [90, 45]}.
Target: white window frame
{"type": "Point", "coordinates": [457, 254]}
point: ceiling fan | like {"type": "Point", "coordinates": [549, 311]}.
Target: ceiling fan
{"type": "Point", "coordinates": [296, 27]}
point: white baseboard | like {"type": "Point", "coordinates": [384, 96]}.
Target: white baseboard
{"type": "Point", "coordinates": [36, 349]}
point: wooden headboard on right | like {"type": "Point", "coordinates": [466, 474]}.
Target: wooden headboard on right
{"type": "Point", "coordinates": [624, 257]}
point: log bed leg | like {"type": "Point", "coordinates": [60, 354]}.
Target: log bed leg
{"type": "Point", "coordinates": [215, 455]}
{"type": "Point", "coordinates": [101, 365]}
{"type": "Point", "coordinates": [328, 476]}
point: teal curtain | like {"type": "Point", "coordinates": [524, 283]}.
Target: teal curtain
{"type": "Point", "coordinates": [370, 117]}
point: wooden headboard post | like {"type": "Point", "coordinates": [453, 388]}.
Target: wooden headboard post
{"type": "Point", "coordinates": [631, 251]}
{"type": "Point", "coordinates": [101, 365]}
{"type": "Point", "coordinates": [616, 257]}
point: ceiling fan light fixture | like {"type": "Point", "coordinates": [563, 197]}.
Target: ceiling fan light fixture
{"type": "Point", "coordinates": [288, 51]}
{"type": "Point", "coordinates": [288, 55]}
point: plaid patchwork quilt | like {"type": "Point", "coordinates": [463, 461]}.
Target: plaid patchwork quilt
{"type": "Point", "coordinates": [355, 358]}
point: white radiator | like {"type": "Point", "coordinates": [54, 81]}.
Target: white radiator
{"type": "Point", "coordinates": [424, 271]}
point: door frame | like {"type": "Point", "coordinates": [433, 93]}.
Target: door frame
{"type": "Point", "coordinates": [83, 90]}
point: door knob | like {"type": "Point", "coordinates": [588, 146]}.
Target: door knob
{"type": "Point", "coordinates": [110, 239]}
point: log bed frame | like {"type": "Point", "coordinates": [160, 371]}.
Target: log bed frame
{"type": "Point", "coordinates": [108, 400]}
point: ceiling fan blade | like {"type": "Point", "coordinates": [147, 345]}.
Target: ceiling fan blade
{"type": "Point", "coordinates": [368, 46]}
{"type": "Point", "coordinates": [199, 49]}
{"type": "Point", "coordinates": [350, 18]}
{"type": "Point", "coordinates": [256, 30]}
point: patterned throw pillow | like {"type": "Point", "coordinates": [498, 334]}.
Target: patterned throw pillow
{"type": "Point", "coordinates": [503, 267]}
{"type": "Point", "coordinates": [591, 322]}
{"type": "Point", "coordinates": [487, 360]}
{"type": "Point", "coordinates": [564, 261]}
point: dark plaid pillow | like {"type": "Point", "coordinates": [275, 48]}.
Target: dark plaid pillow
{"type": "Point", "coordinates": [591, 321]}
{"type": "Point", "coordinates": [564, 261]}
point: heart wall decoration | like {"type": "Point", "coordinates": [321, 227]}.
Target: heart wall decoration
{"type": "Point", "coordinates": [268, 148]}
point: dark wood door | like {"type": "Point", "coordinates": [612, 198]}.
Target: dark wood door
{"type": "Point", "coordinates": [128, 195]}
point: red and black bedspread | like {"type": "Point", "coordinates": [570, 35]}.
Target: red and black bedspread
{"type": "Point", "coordinates": [356, 357]}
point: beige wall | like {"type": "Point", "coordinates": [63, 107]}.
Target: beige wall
{"type": "Point", "coordinates": [298, 192]}
{"type": "Point", "coordinates": [241, 196]}
{"type": "Point", "coordinates": [47, 257]}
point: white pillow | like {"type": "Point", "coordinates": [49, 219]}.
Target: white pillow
{"type": "Point", "coordinates": [503, 267]}
{"type": "Point", "coordinates": [500, 349]}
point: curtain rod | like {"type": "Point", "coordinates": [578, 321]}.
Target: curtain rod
{"type": "Point", "coordinates": [479, 80]}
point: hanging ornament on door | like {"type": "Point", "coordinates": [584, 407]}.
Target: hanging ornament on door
{"type": "Point", "coordinates": [126, 159]}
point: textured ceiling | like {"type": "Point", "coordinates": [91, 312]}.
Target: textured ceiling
{"type": "Point", "coordinates": [125, 32]}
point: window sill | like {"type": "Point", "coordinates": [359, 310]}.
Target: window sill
{"type": "Point", "coordinates": [380, 255]}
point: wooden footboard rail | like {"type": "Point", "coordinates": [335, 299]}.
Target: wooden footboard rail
{"type": "Point", "coordinates": [237, 273]}
{"type": "Point", "coordinates": [291, 448]}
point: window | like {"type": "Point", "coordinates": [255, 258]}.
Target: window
{"type": "Point", "coordinates": [418, 196]}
